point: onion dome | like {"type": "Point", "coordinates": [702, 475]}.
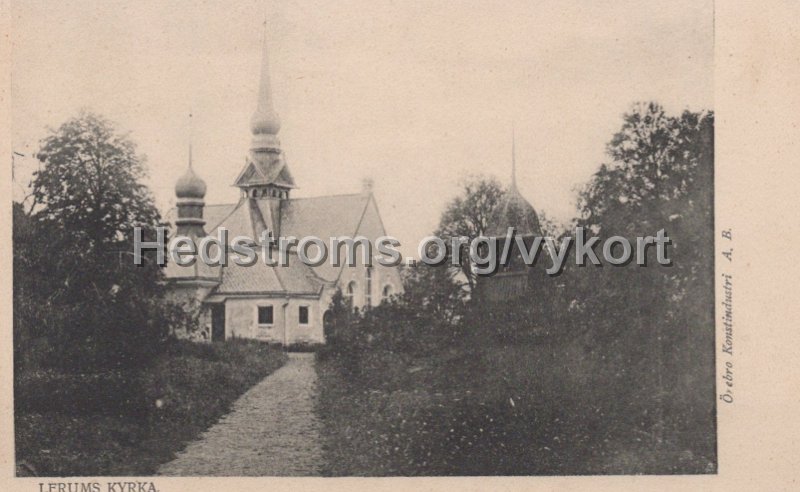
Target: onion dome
{"type": "Point", "coordinates": [265, 120]}
{"type": "Point", "coordinates": [190, 185]}
{"type": "Point", "coordinates": [514, 211]}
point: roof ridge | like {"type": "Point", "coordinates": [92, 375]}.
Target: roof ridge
{"type": "Point", "coordinates": [339, 195]}
{"type": "Point", "coordinates": [233, 204]}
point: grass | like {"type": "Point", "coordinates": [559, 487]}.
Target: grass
{"type": "Point", "coordinates": [523, 409]}
{"type": "Point", "coordinates": [128, 424]}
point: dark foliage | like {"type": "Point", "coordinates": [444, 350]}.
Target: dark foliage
{"type": "Point", "coordinates": [126, 422]}
{"type": "Point", "coordinates": [468, 216]}
{"type": "Point", "coordinates": [79, 299]}
{"type": "Point", "coordinates": [599, 370]}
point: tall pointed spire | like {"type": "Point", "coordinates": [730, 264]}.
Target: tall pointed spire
{"type": "Point", "coordinates": [265, 173]}
{"type": "Point", "coordinates": [265, 123]}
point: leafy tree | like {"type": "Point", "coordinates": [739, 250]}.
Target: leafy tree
{"type": "Point", "coordinates": [656, 160]}
{"type": "Point", "coordinates": [659, 176]}
{"type": "Point", "coordinates": [75, 271]}
{"type": "Point", "coordinates": [468, 216]}
{"type": "Point", "coordinates": [655, 322]}
{"type": "Point", "coordinates": [434, 290]}
{"type": "Point", "coordinates": [88, 196]}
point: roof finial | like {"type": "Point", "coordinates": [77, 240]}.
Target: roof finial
{"type": "Point", "coordinates": [265, 123]}
{"type": "Point", "coordinates": [513, 156]}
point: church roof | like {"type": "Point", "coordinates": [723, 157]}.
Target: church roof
{"type": "Point", "coordinates": [260, 278]}
{"type": "Point", "coordinates": [323, 217]}
{"type": "Point", "coordinates": [514, 211]}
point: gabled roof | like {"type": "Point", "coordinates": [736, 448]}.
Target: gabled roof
{"type": "Point", "coordinates": [263, 168]}
{"type": "Point", "coordinates": [214, 214]}
{"type": "Point", "coordinates": [260, 278]}
{"type": "Point", "coordinates": [323, 217]}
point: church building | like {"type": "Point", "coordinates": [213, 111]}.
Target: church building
{"type": "Point", "coordinates": [279, 304]}
{"type": "Point", "coordinates": [515, 279]}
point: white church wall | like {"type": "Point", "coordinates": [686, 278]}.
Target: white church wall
{"type": "Point", "coordinates": [241, 320]}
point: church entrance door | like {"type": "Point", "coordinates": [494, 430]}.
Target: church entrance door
{"type": "Point", "coordinates": [217, 322]}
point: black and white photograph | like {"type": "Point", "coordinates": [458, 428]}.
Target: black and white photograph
{"type": "Point", "coordinates": [284, 238]}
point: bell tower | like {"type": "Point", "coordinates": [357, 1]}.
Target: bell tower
{"type": "Point", "coordinates": [265, 174]}
{"type": "Point", "coordinates": [190, 191]}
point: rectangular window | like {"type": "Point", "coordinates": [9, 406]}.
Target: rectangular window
{"type": "Point", "coordinates": [303, 314]}
{"type": "Point", "coordinates": [265, 315]}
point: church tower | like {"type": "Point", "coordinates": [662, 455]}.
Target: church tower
{"type": "Point", "coordinates": [190, 191]}
{"type": "Point", "coordinates": [265, 174]}
{"type": "Point", "coordinates": [513, 210]}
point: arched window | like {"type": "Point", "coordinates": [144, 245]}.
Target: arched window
{"type": "Point", "coordinates": [350, 292]}
{"type": "Point", "coordinates": [368, 288]}
{"type": "Point", "coordinates": [387, 292]}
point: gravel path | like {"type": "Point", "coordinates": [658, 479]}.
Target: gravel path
{"type": "Point", "coordinates": [270, 431]}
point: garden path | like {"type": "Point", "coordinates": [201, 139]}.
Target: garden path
{"type": "Point", "coordinates": [271, 430]}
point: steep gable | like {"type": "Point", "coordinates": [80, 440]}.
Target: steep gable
{"type": "Point", "coordinates": [264, 168]}
{"type": "Point", "coordinates": [323, 217]}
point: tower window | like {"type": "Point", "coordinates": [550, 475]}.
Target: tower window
{"type": "Point", "coordinates": [387, 292]}
{"type": "Point", "coordinates": [368, 288]}
{"type": "Point", "coordinates": [350, 292]}
{"type": "Point", "coordinates": [303, 315]}
{"type": "Point", "coordinates": [265, 315]}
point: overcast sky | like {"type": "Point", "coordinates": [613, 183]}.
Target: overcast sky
{"type": "Point", "coordinates": [416, 95]}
